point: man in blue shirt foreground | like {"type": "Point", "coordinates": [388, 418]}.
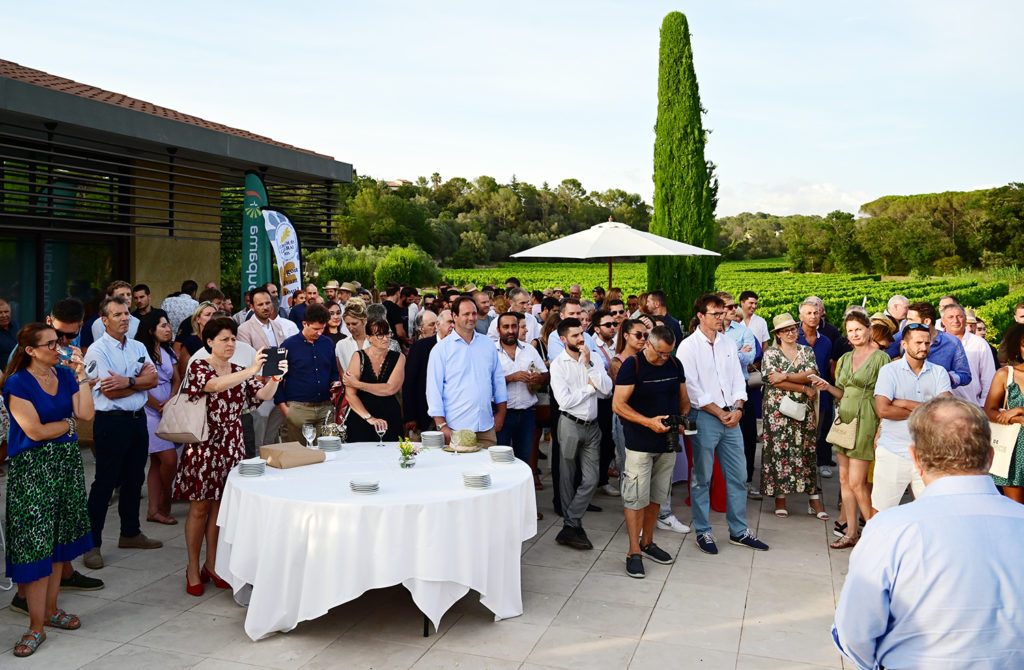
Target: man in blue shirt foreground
{"type": "Point", "coordinates": [937, 583]}
{"type": "Point", "coordinates": [305, 395]}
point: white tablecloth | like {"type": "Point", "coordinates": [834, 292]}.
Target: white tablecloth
{"type": "Point", "coordinates": [307, 543]}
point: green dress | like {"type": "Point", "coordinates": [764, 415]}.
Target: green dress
{"type": "Point", "coordinates": [1014, 398]}
{"type": "Point", "coordinates": [859, 396]}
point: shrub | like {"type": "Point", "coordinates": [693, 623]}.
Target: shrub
{"type": "Point", "coordinates": [406, 265]}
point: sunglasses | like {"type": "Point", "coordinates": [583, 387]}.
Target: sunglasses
{"type": "Point", "coordinates": [639, 336]}
{"type": "Point", "coordinates": [67, 337]}
{"type": "Point", "coordinates": [730, 307]}
{"type": "Point", "coordinates": [610, 324]}
{"type": "Point", "coordinates": [617, 312]}
{"type": "Point", "coordinates": [917, 326]}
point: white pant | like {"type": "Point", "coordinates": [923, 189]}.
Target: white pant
{"type": "Point", "coordinates": [891, 476]}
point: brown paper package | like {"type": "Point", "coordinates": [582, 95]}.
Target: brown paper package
{"type": "Point", "coordinates": [290, 455]}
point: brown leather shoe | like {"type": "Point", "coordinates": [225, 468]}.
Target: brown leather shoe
{"type": "Point", "coordinates": [140, 541]}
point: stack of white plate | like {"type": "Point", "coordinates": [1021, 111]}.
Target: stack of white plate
{"type": "Point", "coordinates": [432, 438]}
{"type": "Point", "coordinates": [364, 486]}
{"type": "Point", "coordinates": [476, 480]}
{"type": "Point", "coordinates": [252, 467]}
{"type": "Point", "coordinates": [502, 455]}
{"type": "Point", "coordinates": [329, 443]}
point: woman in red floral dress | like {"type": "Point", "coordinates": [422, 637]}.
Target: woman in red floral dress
{"type": "Point", "coordinates": [203, 469]}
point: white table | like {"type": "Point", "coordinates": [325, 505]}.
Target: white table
{"type": "Point", "coordinates": [307, 543]}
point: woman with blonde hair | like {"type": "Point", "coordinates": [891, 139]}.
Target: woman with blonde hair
{"type": "Point", "coordinates": [355, 320]}
{"type": "Point", "coordinates": [188, 344]}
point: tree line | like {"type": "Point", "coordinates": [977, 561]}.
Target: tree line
{"type": "Point", "coordinates": [935, 233]}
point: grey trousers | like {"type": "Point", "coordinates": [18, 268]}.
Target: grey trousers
{"type": "Point", "coordinates": [581, 448]}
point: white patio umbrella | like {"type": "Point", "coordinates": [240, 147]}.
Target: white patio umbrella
{"type": "Point", "coordinates": [611, 240]}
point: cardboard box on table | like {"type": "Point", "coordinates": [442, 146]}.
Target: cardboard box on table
{"type": "Point", "coordinates": [290, 455]}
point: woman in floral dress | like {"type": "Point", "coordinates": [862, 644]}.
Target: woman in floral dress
{"type": "Point", "coordinates": [230, 390]}
{"type": "Point", "coordinates": [788, 458]}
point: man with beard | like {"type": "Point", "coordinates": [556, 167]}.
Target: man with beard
{"type": "Point", "coordinates": [263, 330]}
{"type": "Point", "coordinates": [522, 367]}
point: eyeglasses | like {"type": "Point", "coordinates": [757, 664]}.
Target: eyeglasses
{"type": "Point", "coordinates": [617, 312]}
{"type": "Point", "coordinates": [661, 355]}
{"type": "Point", "coordinates": [610, 324]}
{"type": "Point", "coordinates": [383, 336]}
{"type": "Point", "coordinates": [51, 345]}
{"type": "Point", "coordinates": [715, 315]}
{"type": "Point", "coordinates": [791, 329]}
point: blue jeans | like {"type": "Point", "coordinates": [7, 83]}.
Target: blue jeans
{"type": "Point", "coordinates": [517, 432]}
{"type": "Point", "coordinates": [714, 438]}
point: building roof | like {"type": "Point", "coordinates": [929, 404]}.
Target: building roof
{"type": "Point", "coordinates": [53, 82]}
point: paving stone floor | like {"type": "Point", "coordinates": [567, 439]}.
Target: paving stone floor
{"type": "Point", "coordinates": [740, 610]}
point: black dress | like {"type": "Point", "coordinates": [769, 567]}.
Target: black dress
{"type": "Point", "coordinates": [380, 407]}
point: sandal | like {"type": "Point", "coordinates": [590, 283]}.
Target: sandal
{"type": "Point", "coordinates": [160, 517]}
{"type": "Point", "coordinates": [845, 542]}
{"type": "Point", "coordinates": [823, 515]}
{"type": "Point", "coordinates": [63, 620]}
{"type": "Point", "coordinates": [28, 643]}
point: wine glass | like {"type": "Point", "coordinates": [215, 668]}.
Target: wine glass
{"type": "Point", "coordinates": [309, 432]}
{"type": "Point", "coordinates": [380, 435]}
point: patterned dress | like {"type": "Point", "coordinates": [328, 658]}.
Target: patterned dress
{"type": "Point", "coordinates": [1014, 398]}
{"type": "Point", "coordinates": [788, 460]}
{"type": "Point", "coordinates": [203, 467]}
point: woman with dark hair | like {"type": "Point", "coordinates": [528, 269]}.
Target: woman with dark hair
{"type": "Point", "coordinates": [155, 334]}
{"type": "Point", "coordinates": [854, 391]}
{"type": "Point", "coordinates": [630, 342]}
{"type": "Point", "coordinates": [47, 522]}
{"type": "Point", "coordinates": [1007, 393]}
{"type": "Point", "coordinates": [335, 330]}
{"type": "Point", "coordinates": [230, 390]}
{"type": "Point", "coordinates": [372, 379]}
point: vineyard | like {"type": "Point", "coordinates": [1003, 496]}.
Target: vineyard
{"type": "Point", "coordinates": [778, 290]}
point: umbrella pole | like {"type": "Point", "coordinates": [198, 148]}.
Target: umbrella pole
{"type": "Point", "coordinates": [609, 274]}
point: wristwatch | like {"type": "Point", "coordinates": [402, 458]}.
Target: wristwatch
{"type": "Point", "coordinates": [367, 417]}
{"type": "Point", "coordinates": [71, 426]}
{"type": "Point", "coordinates": [441, 424]}
{"type": "Point", "coordinates": [131, 382]}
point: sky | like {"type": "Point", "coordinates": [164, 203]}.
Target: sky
{"type": "Point", "coordinates": [812, 106]}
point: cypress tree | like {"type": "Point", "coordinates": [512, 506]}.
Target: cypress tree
{"type": "Point", "coordinates": [685, 191]}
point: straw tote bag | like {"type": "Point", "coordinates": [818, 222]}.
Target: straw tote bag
{"type": "Point", "coordinates": [184, 420]}
{"type": "Point", "coordinates": [841, 434]}
{"type": "Point", "coordinates": [1004, 437]}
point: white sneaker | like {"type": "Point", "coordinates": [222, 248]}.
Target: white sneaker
{"type": "Point", "coordinates": [826, 472]}
{"type": "Point", "coordinates": [610, 490]}
{"type": "Point", "coordinates": [673, 524]}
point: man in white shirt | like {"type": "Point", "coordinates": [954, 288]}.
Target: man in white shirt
{"type": "Point", "coordinates": [263, 330]}
{"type": "Point", "coordinates": [518, 302]}
{"type": "Point", "coordinates": [576, 383]}
{"type": "Point", "coordinates": [757, 325]}
{"type": "Point", "coordinates": [714, 382]}
{"type": "Point", "coordinates": [605, 335]}
{"type": "Point", "coordinates": [522, 366]}
{"type": "Point", "coordinates": [979, 356]}
{"type": "Point", "coordinates": [119, 289]}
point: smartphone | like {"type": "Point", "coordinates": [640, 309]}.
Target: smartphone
{"type": "Point", "coordinates": [272, 366]}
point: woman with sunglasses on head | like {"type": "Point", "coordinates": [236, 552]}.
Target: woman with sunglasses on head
{"type": "Point", "coordinates": [156, 334]}
{"type": "Point", "coordinates": [788, 457]}
{"type": "Point", "coordinates": [189, 342]}
{"type": "Point", "coordinates": [372, 380]}
{"type": "Point", "coordinates": [854, 391]}
{"type": "Point", "coordinates": [47, 522]}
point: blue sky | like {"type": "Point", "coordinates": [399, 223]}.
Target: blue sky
{"type": "Point", "coordinates": [812, 106]}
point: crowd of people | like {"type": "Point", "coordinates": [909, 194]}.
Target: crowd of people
{"type": "Point", "coordinates": [632, 399]}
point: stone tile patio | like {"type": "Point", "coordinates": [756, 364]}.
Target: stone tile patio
{"type": "Point", "coordinates": [740, 610]}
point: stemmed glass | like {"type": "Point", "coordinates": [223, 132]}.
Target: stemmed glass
{"type": "Point", "coordinates": [309, 432]}
{"type": "Point", "coordinates": [380, 435]}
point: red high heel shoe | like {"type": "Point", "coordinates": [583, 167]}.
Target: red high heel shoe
{"type": "Point", "coordinates": [198, 589]}
{"type": "Point", "coordinates": [206, 576]}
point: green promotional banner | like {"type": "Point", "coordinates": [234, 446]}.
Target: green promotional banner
{"type": "Point", "coordinates": [255, 243]}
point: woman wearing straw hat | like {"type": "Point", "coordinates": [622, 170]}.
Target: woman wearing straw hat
{"type": "Point", "coordinates": [788, 458]}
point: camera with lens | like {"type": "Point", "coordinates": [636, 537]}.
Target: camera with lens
{"type": "Point", "coordinates": [673, 422]}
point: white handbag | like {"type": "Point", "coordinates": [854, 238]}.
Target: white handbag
{"type": "Point", "coordinates": [1004, 438]}
{"type": "Point", "coordinates": [184, 421]}
{"type": "Point", "coordinates": [793, 409]}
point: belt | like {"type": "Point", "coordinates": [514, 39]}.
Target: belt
{"type": "Point", "coordinates": [321, 403]}
{"type": "Point", "coordinates": [576, 420]}
{"type": "Point", "coordinates": [133, 414]}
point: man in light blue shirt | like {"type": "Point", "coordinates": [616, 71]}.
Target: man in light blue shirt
{"type": "Point", "coordinates": [122, 440]}
{"type": "Point", "coordinates": [938, 583]}
{"type": "Point", "coordinates": [901, 386]}
{"type": "Point", "coordinates": [464, 377]}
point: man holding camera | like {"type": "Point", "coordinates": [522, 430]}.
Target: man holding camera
{"type": "Point", "coordinates": [651, 399]}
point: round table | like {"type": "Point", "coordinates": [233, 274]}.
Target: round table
{"type": "Point", "coordinates": [307, 543]}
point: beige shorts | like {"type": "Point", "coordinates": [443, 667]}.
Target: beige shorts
{"type": "Point", "coordinates": [892, 474]}
{"type": "Point", "coordinates": [646, 477]}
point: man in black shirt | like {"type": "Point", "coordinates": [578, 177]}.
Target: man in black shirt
{"type": "Point", "coordinates": [650, 387]}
